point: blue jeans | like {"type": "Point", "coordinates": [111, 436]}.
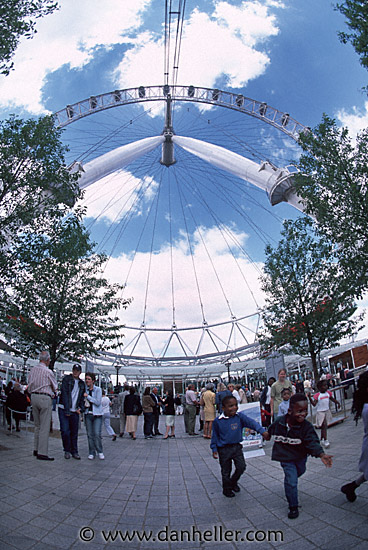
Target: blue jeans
{"type": "Point", "coordinates": [69, 431]}
{"type": "Point", "coordinates": [292, 471]}
{"type": "Point", "coordinates": [93, 427]}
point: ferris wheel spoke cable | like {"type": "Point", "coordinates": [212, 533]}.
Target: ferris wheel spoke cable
{"type": "Point", "coordinates": [235, 138]}
{"type": "Point", "coordinates": [98, 128]}
{"type": "Point", "coordinates": [104, 144]}
{"type": "Point", "coordinates": [136, 191]}
{"type": "Point", "coordinates": [151, 254]}
{"type": "Point", "coordinates": [171, 258]}
{"type": "Point", "coordinates": [225, 196]}
{"type": "Point", "coordinates": [98, 195]}
{"type": "Point", "coordinates": [123, 223]}
{"type": "Point", "coordinates": [197, 226]}
{"type": "Point", "coordinates": [118, 225]}
{"type": "Point", "coordinates": [136, 249]}
{"type": "Point", "coordinates": [242, 125]}
{"type": "Point", "coordinates": [191, 251]}
{"type": "Point", "coordinates": [107, 138]}
{"type": "Point", "coordinates": [178, 39]}
{"type": "Point", "coordinates": [225, 230]}
{"type": "Point", "coordinates": [167, 35]}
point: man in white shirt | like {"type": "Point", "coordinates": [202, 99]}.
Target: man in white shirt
{"type": "Point", "coordinates": [235, 392]}
{"type": "Point", "coordinates": [191, 403]}
{"type": "Point", "coordinates": [42, 386]}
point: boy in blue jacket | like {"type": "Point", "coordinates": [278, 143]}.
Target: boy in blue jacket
{"type": "Point", "coordinates": [227, 434]}
{"type": "Point", "coordinates": [295, 439]}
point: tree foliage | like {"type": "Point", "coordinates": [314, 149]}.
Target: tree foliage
{"type": "Point", "coordinates": [60, 300]}
{"type": "Point", "coordinates": [333, 182]}
{"type": "Point", "coordinates": [356, 13]}
{"type": "Point", "coordinates": [35, 186]}
{"type": "Point", "coordinates": [18, 19]}
{"type": "Point", "coordinates": [308, 303]}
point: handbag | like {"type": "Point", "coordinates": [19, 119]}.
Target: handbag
{"type": "Point", "coordinates": [137, 408]}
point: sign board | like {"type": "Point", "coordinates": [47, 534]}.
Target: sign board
{"type": "Point", "coordinates": [274, 363]}
{"type": "Point", "coordinates": [360, 355]}
{"type": "Point", "coordinates": [252, 441]}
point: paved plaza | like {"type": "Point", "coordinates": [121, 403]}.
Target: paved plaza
{"type": "Point", "coordinates": [171, 489]}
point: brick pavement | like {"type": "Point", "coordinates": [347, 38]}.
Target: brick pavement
{"type": "Point", "coordinates": [175, 483]}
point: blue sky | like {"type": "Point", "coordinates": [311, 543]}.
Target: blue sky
{"type": "Point", "coordinates": [284, 53]}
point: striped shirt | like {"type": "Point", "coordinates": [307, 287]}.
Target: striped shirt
{"type": "Point", "coordinates": [42, 380]}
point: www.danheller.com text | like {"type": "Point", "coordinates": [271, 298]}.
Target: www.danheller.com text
{"type": "Point", "coordinates": [217, 533]}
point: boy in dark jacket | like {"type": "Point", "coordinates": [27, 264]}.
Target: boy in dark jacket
{"type": "Point", "coordinates": [227, 434]}
{"type": "Point", "coordinates": [295, 439]}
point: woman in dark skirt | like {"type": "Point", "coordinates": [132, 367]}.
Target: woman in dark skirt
{"type": "Point", "coordinates": [132, 409]}
{"type": "Point", "coordinates": [169, 405]}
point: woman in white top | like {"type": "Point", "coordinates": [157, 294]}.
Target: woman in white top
{"type": "Point", "coordinates": [106, 404]}
{"type": "Point", "coordinates": [235, 393]}
{"type": "Point", "coordinates": [93, 416]}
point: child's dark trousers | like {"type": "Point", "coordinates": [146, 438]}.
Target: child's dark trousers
{"type": "Point", "coordinates": [227, 455]}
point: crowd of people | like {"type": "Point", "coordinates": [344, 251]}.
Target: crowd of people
{"type": "Point", "coordinates": [283, 407]}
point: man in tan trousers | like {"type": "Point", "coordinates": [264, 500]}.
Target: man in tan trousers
{"type": "Point", "coordinates": [42, 386]}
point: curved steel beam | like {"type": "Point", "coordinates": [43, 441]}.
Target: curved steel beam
{"type": "Point", "coordinates": [237, 102]}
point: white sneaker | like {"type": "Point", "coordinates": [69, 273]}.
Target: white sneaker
{"type": "Point", "coordinates": [322, 442]}
{"type": "Point", "coordinates": [91, 457]}
{"type": "Point", "coordinates": [101, 456]}
{"type": "Point", "coordinates": [327, 444]}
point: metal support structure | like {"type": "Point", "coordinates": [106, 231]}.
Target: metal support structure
{"type": "Point", "coordinates": [257, 109]}
{"type": "Point", "coordinates": [167, 158]}
{"type": "Point", "coordinates": [225, 347]}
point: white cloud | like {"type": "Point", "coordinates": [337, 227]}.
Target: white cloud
{"type": "Point", "coordinates": [355, 121]}
{"type": "Point", "coordinates": [227, 41]}
{"type": "Point", "coordinates": [213, 294]}
{"type": "Point", "coordinates": [251, 21]}
{"type": "Point", "coordinates": [363, 308]}
{"type": "Point", "coordinates": [221, 43]}
{"type": "Point", "coordinates": [112, 197]}
{"type": "Point", "coordinates": [66, 37]}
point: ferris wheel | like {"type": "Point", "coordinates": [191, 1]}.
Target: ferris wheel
{"type": "Point", "coordinates": [175, 192]}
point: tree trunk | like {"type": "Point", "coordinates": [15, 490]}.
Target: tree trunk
{"type": "Point", "coordinates": [315, 366]}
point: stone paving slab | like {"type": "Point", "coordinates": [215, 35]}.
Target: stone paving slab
{"type": "Point", "coordinates": [170, 488]}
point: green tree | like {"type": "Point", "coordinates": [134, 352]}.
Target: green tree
{"type": "Point", "coordinates": [17, 19]}
{"type": "Point", "coordinates": [35, 186]}
{"type": "Point", "coordinates": [333, 182]}
{"type": "Point", "coordinates": [60, 300]}
{"type": "Point", "coordinates": [356, 13]}
{"type": "Point", "coordinates": [308, 304]}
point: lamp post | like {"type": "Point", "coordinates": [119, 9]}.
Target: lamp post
{"type": "Point", "coordinates": [227, 365]}
{"type": "Point", "coordinates": [117, 367]}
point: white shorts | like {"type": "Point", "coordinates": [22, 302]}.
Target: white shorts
{"type": "Point", "coordinates": [321, 416]}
